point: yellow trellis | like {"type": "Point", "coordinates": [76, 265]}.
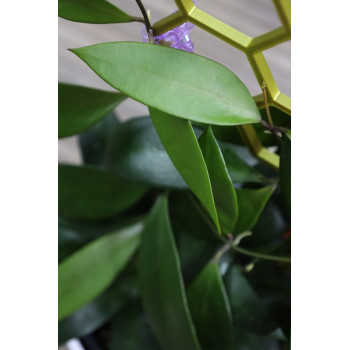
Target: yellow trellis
{"type": "Point", "coordinates": [253, 48]}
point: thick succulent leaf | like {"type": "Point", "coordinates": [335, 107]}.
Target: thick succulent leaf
{"type": "Point", "coordinates": [161, 283]}
{"type": "Point", "coordinates": [251, 203]}
{"type": "Point", "coordinates": [224, 193]}
{"type": "Point", "coordinates": [249, 312]}
{"type": "Point", "coordinates": [285, 170]}
{"type": "Point", "coordinates": [211, 310]}
{"type": "Point", "coordinates": [91, 11]}
{"type": "Point", "coordinates": [131, 331]}
{"type": "Point", "coordinates": [98, 312]}
{"type": "Point", "coordinates": [80, 107]}
{"type": "Point", "coordinates": [94, 142]}
{"type": "Point", "coordinates": [136, 153]}
{"type": "Point", "coordinates": [89, 271]}
{"type": "Point", "coordinates": [94, 193]}
{"type": "Point", "coordinates": [180, 142]}
{"type": "Point", "coordinates": [173, 81]}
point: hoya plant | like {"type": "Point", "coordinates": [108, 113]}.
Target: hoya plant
{"type": "Point", "coordinates": [171, 235]}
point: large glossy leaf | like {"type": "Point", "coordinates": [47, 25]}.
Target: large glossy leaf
{"type": "Point", "coordinates": [94, 142]}
{"type": "Point", "coordinates": [80, 107]}
{"type": "Point", "coordinates": [248, 310]}
{"type": "Point", "coordinates": [89, 271]}
{"type": "Point", "coordinates": [131, 331]}
{"type": "Point", "coordinates": [285, 170]}
{"type": "Point", "coordinates": [99, 311]}
{"type": "Point", "coordinates": [91, 11]}
{"type": "Point", "coordinates": [136, 153]}
{"type": "Point", "coordinates": [161, 283]}
{"type": "Point", "coordinates": [93, 193]}
{"type": "Point", "coordinates": [210, 309]}
{"type": "Point", "coordinates": [180, 142]}
{"type": "Point", "coordinates": [224, 193]}
{"type": "Point", "coordinates": [251, 203]}
{"type": "Point", "coordinates": [176, 82]}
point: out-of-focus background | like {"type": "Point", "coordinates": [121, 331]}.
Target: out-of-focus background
{"type": "Point", "coordinates": [252, 17]}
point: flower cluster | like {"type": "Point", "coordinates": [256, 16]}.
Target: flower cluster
{"type": "Point", "coordinates": [177, 38]}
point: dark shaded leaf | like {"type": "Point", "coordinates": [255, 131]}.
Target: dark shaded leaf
{"type": "Point", "coordinates": [285, 170]}
{"type": "Point", "coordinates": [94, 142]}
{"type": "Point", "coordinates": [249, 312]}
{"type": "Point", "coordinates": [80, 107]}
{"type": "Point", "coordinates": [251, 203]}
{"type": "Point", "coordinates": [131, 331]}
{"type": "Point", "coordinates": [161, 283]}
{"type": "Point", "coordinates": [136, 153]}
{"type": "Point", "coordinates": [210, 309]}
{"type": "Point", "coordinates": [173, 81]}
{"type": "Point", "coordinates": [93, 193]}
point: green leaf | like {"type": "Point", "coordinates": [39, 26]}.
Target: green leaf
{"type": "Point", "coordinates": [94, 142]}
{"type": "Point", "coordinates": [251, 203]}
{"type": "Point", "coordinates": [89, 271]}
{"type": "Point", "coordinates": [91, 11]}
{"type": "Point", "coordinates": [98, 312]}
{"type": "Point", "coordinates": [180, 142]}
{"type": "Point", "coordinates": [224, 193]}
{"type": "Point", "coordinates": [131, 331]}
{"type": "Point", "coordinates": [80, 107]}
{"type": "Point", "coordinates": [250, 341]}
{"type": "Point", "coordinates": [239, 170]}
{"type": "Point", "coordinates": [210, 309]}
{"type": "Point", "coordinates": [161, 284]}
{"type": "Point", "coordinates": [270, 226]}
{"type": "Point", "coordinates": [93, 193]}
{"type": "Point", "coordinates": [173, 81]}
{"type": "Point", "coordinates": [136, 153]}
{"type": "Point", "coordinates": [285, 170]}
{"type": "Point", "coordinates": [73, 235]}
{"type": "Point", "coordinates": [249, 313]}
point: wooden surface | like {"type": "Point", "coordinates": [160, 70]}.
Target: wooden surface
{"type": "Point", "coordinates": [252, 17]}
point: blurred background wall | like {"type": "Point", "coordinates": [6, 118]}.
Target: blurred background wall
{"type": "Point", "coordinates": [252, 17]}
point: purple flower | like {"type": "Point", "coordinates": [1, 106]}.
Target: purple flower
{"type": "Point", "coordinates": [177, 38]}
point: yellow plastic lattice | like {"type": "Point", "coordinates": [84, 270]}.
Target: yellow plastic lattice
{"type": "Point", "coordinates": [253, 48]}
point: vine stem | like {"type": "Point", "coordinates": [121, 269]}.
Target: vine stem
{"type": "Point", "coordinates": [267, 106]}
{"type": "Point", "coordinates": [259, 255]}
{"type": "Point", "coordinates": [146, 21]}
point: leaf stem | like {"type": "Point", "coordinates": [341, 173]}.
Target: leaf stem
{"type": "Point", "coordinates": [146, 21]}
{"type": "Point", "coordinates": [137, 19]}
{"type": "Point", "coordinates": [259, 255]}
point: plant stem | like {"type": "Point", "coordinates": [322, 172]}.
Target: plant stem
{"type": "Point", "coordinates": [147, 22]}
{"type": "Point", "coordinates": [267, 106]}
{"type": "Point", "coordinates": [137, 19]}
{"type": "Point", "coordinates": [259, 255]}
